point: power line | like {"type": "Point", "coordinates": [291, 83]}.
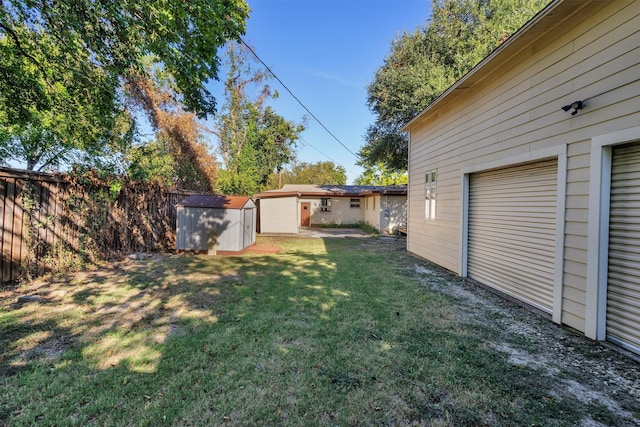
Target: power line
{"type": "Point", "coordinates": [312, 146]}
{"type": "Point", "coordinates": [296, 98]}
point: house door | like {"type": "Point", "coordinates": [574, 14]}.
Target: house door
{"type": "Point", "coordinates": [623, 278]}
{"type": "Point", "coordinates": [305, 214]}
{"type": "Point", "coordinates": [512, 231]}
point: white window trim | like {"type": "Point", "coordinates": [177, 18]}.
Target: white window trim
{"type": "Point", "coordinates": [559, 152]}
{"type": "Point", "coordinates": [325, 208]}
{"type": "Point", "coordinates": [598, 226]}
{"type": "Point", "coordinates": [430, 205]}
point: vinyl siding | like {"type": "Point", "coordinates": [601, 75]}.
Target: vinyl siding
{"type": "Point", "coordinates": [515, 111]}
{"type": "Point", "coordinates": [199, 228]}
{"type": "Point", "coordinates": [279, 215]}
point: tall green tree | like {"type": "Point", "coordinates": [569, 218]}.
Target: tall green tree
{"type": "Point", "coordinates": [381, 175]}
{"type": "Point", "coordinates": [62, 63]}
{"type": "Point", "coordinates": [321, 173]}
{"type": "Point", "coordinates": [49, 114]}
{"type": "Point", "coordinates": [255, 141]}
{"type": "Point", "coordinates": [423, 64]}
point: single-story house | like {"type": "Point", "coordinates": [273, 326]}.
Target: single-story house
{"type": "Point", "coordinates": [525, 174]}
{"type": "Point", "coordinates": [215, 224]}
{"type": "Point", "coordinates": [294, 206]}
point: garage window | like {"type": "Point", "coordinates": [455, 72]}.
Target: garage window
{"type": "Point", "coordinates": [354, 203]}
{"type": "Point", "coordinates": [325, 204]}
{"type": "Point", "coordinates": [431, 178]}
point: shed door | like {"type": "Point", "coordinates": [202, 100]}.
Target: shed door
{"type": "Point", "coordinates": [248, 228]}
{"type": "Point", "coordinates": [512, 231]}
{"type": "Point", "coordinates": [623, 281]}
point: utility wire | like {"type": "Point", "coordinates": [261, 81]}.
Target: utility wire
{"type": "Point", "coordinates": [296, 98]}
{"type": "Point", "coordinates": [315, 148]}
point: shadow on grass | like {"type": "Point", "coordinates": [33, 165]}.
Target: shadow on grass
{"type": "Point", "coordinates": [328, 332]}
{"type": "Point", "coordinates": [116, 328]}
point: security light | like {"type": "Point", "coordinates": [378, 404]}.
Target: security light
{"type": "Point", "coordinates": [578, 105]}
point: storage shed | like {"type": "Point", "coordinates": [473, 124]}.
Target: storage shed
{"type": "Point", "coordinates": [215, 223]}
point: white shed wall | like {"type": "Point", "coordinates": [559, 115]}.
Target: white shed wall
{"type": "Point", "coordinates": [196, 227]}
{"type": "Point", "coordinates": [279, 215]}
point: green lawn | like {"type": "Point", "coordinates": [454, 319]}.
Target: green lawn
{"type": "Point", "coordinates": [328, 332]}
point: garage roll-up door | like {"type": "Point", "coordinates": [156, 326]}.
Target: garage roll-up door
{"type": "Point", "coordinates": [512, 231]}
{"type": "Point", "coordinates": [623, 282]}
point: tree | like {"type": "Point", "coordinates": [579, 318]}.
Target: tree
{"type": "Point", "coordinates": [381, 175]}
{"type": "Point", "coordinates": [179, 133]}
{"type": "Point", "coordinates": [255, 141]}
{"type": "Point", "coordinates": [48, 115]}
{"type": "Point", "coordinates": [321, 173]}
{"type": "Point", "coordinates": [62, 62]}
{"type": "Point", "coordinates": [423, 64]}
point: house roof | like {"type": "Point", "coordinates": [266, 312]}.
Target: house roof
{"type": "Point", "coordinates": [556, 12]}
{"type": "Point", "coordinates": [219, 201]}
{"type": "Point", "coordinates": [306, 190]}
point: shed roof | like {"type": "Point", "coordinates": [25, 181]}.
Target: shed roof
{"type": "Point", "coordinates": [306, 190]}
{"type": "Point", "coordinates": [219, 201]}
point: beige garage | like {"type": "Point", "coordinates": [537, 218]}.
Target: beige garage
{"type": "Point", "coordinates": [623, 276]}
{"type": "Point", "coordinates": [562, 94]}
{"type": "Point", "coordinates": [512, 231]}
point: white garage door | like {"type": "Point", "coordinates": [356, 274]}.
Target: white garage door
{"type": "Point", "coordinates": [623, 284]}
{"type": "Point", "coordinates": [512, 231]}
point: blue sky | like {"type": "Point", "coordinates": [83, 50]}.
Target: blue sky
{"type": "Point", "coordinates": [326, 52]}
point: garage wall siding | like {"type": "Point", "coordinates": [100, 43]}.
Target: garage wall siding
{"type": "Point", "coordinates": [279, 215]}
{"type": "Point", "coordinates": [594, 55]}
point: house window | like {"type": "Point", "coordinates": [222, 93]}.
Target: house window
{"type": "Point", "coordinates": [325, 205]}
{"type": "Point", "coordinates": [354, 203]}
{"type": "Point", "coordinates": [431, 178]}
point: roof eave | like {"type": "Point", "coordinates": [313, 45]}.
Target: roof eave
{"type": "Point", "coordinates": [512, 42]}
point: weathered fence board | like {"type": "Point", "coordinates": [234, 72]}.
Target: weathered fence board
{"type": "Point", "coordinates": [36, 237]}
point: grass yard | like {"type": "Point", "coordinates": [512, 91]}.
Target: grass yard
{"type": "Point", "coordinates": [329, 332]}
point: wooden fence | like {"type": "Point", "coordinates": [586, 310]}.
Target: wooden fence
{"type": "Point", "coordinates": [49, 220]}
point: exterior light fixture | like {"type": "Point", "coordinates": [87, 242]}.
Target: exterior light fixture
{"type": "Point", "coordinates": [578, 105]}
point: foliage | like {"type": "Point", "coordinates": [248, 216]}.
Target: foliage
{"type": "Point", "coordinates": [423, 64]}
{"type": "Point", "coordinates": [48, 113]}
{"type": "Point", "coordinates": [255, 141]}
{"type": "Point", "coordinates": [152, 161]}
{"type": "Point", "coordinates": [179, 154]}
{"type": "Point", "coordinates": [321, 173]}
{"type": "Point", "coordinates": [62, 63]}
{"type": "Point", "coordinates": [73, 220]}
{"type": "Point", "coordinates": [379, 174]}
